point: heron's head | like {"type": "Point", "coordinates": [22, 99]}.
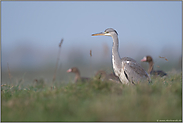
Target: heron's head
{"type": "Point", "coordinates": [107, 32]}
{"type": "Point", "coordinates": [147, 59]}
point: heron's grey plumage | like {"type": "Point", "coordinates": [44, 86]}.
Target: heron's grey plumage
{"type": "Point", "coordinates": [127, 69]}
{"type": "Point", "coordinates": [134, 72]}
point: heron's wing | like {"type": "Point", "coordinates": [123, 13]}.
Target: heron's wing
{"type": "Point", "coordinates": [133, 71]}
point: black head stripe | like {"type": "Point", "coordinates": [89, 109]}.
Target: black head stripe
{"type": "Point", "coordinates": [115, 32]}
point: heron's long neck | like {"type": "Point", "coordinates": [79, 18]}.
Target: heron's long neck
{"type": "Point", "coordinates": [116, 60]}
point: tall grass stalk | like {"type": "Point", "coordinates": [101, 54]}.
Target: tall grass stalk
{"type": "Point", "coordinates": [90, 60]}
{"type": "Point", "coordinates": [9, 73]}
{"type": "Point", "coordinates": [58, 57]}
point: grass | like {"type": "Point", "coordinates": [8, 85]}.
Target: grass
{"type": "Point", "coordinates": [94, 101]}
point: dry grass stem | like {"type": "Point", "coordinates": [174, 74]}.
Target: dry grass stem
{"type": "Point", "coordinates": [90, 60]}
{"type": "Point", "coordinates": [105, 49]}
{"type": "Point", "coordinates": [90, 53]}
{"type": "Point", "coordinates": [58, 57]}
{"type": "Point", "coordinates": [9, 73]}
{"type": "Point", "coordinates": [61, 42]}
{"type": "Point", "coordinates": [163, 58]}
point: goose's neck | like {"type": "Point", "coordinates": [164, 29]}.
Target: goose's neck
{"type": "Point", "coordinates": [151, 64]}
{"type": "Point", "coordinates": [116, 60]}
{"type": "Point", "coordinates": [77, 76]}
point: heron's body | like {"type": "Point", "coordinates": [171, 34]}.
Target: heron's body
{"type": "Point", "coordinates": [130, 71]}
{"type": "Point", "coordinates": [127, 69]}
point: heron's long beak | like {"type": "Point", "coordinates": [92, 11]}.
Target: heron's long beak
{"type": "Point", "coordinates": [101, 33]}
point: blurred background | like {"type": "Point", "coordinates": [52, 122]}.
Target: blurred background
{"type": "Point", "coordinates": [31, 32]}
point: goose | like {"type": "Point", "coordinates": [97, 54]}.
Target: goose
{"type": "Point", "coordinates": [102, 75]}
{"type": "Point", "coordinates": [149, 59]}
{"type": "Point", "coordinates": [127, 69]}
{"type": "Point", "coordinates": [77, 78]}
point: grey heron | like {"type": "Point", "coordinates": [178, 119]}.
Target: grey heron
{"type": "Point", "coordinates": [77, 78]}
{"type": "Point", "coordinates": [127, 69]}
{"type": "Point", "coordinates": [149, 59]}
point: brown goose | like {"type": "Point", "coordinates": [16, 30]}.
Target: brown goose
{"type": "Point", "coordinates": [151, 64]}
{"type": "Point", "coordinates": [109, 77]}
{"type": "Point", "coordinates": [127, 69]}
{"type": "Point", "coordinates": [77, 75]}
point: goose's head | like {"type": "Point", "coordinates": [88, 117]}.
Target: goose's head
{"type": "Point", "coordinates": [73, 70]}
{"type": "Point", "coordinates": [147, 59]}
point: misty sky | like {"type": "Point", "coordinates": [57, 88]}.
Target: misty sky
{"type": "Point", "coordinates": [42, 24]}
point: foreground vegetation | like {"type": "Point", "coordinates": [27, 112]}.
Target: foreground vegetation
{"type": "Point", "coordinates": [160, 100]}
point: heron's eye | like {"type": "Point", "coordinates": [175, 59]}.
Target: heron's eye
{"type": "Point", "coordinates": [106, 32]}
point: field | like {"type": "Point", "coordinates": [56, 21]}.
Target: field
{"type": "Point", "coordinates": [98, 100]}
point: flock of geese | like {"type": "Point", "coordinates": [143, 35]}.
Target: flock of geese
{"type": "Point", "coordinates": [126, 70]}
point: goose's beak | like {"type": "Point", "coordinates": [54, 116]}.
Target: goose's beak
{"type": "Point", "coordinates": [68, 71]}
{"type": "Point", "coordinates": [144, 59]}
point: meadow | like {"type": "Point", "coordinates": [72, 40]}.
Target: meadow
{"type": "Point", "coordinates": [97, 100]}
